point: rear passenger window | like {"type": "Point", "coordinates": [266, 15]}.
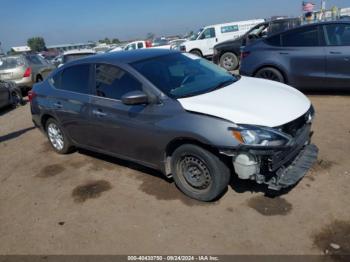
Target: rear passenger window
{"type": "Point", "coordinates": [307, 36]}
{"type": "Point", "coordinates": [139, 45]}
{"type": "Point", "coordinates": [113, 82]}
{"type": "Point", "coordinates": [75, 79]}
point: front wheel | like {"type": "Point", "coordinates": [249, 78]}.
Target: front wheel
{"type": "Point", "coordinates": [196, 53]}
{"type": "Point", "coordinates": [270, 73]}
{"type": "Point", "coordinates": [198, 173]}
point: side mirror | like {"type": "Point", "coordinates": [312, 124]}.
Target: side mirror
{"type": "Point", "coordinates": [135, 98]}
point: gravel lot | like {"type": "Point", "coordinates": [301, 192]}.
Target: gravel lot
{"type": "Point", "coordinates": [85, 203]}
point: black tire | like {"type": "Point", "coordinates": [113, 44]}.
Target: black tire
{"type": "Point", "coordinates": [67, 146]}
{"type": "Point", "coordinates": [196, 53]}
{"type": "Point", "coordinates": [17, 98]}
{"type": "Point", "coordinates": [39, 79]}
{"type": "Point", "coordinates": [229, 61]}
{"type": "Point", "coordinates": [270, 73]}
{"type": "Point", "coordinates": [198, 173]}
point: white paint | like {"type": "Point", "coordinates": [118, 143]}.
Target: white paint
{"type": "Point", "coordinates": [251, 101]}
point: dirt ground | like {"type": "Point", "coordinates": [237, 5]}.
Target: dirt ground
{"type": "Point", "coordinates": [85, 203]}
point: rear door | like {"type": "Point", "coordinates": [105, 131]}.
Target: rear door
{"type": "Point", "coordinates": [70, 101]}
{"type": "Point", "coordinates": [337, 41]}
{"type": "Point", "coordinates": [304, 57]}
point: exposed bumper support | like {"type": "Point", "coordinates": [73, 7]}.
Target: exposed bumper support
{"type": "Point", "coordinates": [286, 177]}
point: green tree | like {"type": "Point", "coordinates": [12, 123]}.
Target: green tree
{"type": "Point", "coordinates": [36, 44]}
{"type": "Point", "coordinates": [115, 41]}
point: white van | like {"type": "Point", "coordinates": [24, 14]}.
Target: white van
{"type": "Point", "coordinates": [203, 43]}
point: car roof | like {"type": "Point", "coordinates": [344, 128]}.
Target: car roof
{"type": "Point", "coordinates": [79, 51]}
{"type": "Point", "coordinates": [126, 57]}
{"type": "Point", "coordinates": [317, 23]}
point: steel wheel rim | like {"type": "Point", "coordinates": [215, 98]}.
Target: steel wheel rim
{"type": "Point", "coordinates": [228, 62]}
{"type": "Point", "coordinates": [55, 136]}
{"type": "Point", "coordinates": [195, 172]}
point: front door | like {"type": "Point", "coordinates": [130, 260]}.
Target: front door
{"type": "Point", "coordinates": [207, 40]}
{"type": "Point", "coordinates": [4, 95]}
{"type": "Point", "coordinates": [337, 38]}
{"type": "Point", "coordinates": [124, 130]}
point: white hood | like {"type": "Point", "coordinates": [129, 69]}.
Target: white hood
{"type": "Point", "coordinates": [251, 101]}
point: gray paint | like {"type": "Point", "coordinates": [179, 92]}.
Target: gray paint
{"type": "Point", "coordinates": [141, 132]}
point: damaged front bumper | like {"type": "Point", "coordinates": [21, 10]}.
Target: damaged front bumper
{"type": "Point", "coordinates": [278, 167]}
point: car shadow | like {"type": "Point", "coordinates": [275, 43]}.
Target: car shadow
{"type": "Point", "coordinates": [237, 185]}
{"type": "Point", "coordinates": [326, 92]}
{"type": "Point", "coordinates": [243, 186]}
{"type": "Point", "coordinates": [15, 134]}
{"type": "Point", "coordinates": [125, 163]}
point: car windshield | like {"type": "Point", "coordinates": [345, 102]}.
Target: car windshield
{"type": "Point", "coordinates": [10, 62]}
{"type": "Point", "coordinates": [72, 57]}
{"type": "Point", "coordinates": [182, 75]}
{"type": "Point", "coordinates": [195, 36]}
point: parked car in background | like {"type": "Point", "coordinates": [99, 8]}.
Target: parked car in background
{"type": "Point", "coordinates": [310, 56]}
{"type": "Point", "coordinates": [180, 114]}
{"type": "Point", "coordinates": [138, 45]}
{"type": "Point", "coordinates": [175, 44]}
{"type": "Point", "coordinates": [227, 54]}
{"type": "Point", "coordinates": [203, 43]}
{"type": "Point", "coordinates": [72, 55]}
{"type": "Point", "coordinates": [57, 60]}
{"type": "Point", "coordinates": [10, 94]}
{"type": "Point", "coordinates": [24, 70]}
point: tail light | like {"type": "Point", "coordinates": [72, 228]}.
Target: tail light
{"type": "Point", "coordinates": [28, 72]}
{"type": "Point", "coordinates": [148, 44]}
{"type": "Point", "coordinates": [244, 54]}
{"type": "Point", "coordinates": [31, 95]}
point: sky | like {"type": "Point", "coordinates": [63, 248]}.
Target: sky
{"type": "Point", "coordinates": [74, 21]}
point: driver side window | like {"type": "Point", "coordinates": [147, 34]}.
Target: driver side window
{"type": "Point", "coordinates": [208, 33]}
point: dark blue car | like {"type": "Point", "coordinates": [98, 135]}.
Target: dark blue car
{"type": "Point", "coordinates": [314, 56]}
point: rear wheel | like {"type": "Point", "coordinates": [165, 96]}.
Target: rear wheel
{"type": "Point", "coordinates": [196, 53]}
{"type": "Point", "coordinates": [229, 61]}
{"type": "Point", "coordinates": [270, 73]}
{"type": "Point", "coordinates": [57, 138]}
{"type": "Point", "coordinates": [198, 173]}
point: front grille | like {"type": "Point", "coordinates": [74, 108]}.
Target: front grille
{"type": "Point", "coordinates": [294, 126]}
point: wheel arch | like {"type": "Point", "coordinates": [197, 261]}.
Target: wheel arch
{"type": "Point", "coordinates": [180, 141]}
{"type": "Point", "coordinates": [44, 119]}
{"type": "Point", "coordinates": [277, 67]}
{"type": "Point", "coordinates": [196, 49]}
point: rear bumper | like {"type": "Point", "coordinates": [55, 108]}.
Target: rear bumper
{"type": "Point", "coordinates": [25, 82]}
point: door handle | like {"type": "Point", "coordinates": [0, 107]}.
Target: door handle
{"type": "Point", "coordinates": [58, 105]}
{"type": "Point", "coordinates": [335, 53]}
{"type": "Point", "coordinates": [284, 53]}
{"type": "Point", "coordinates": [98, 113]}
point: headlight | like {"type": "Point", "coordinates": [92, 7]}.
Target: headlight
{"type": "Point", "coordinates": [260, 136]}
